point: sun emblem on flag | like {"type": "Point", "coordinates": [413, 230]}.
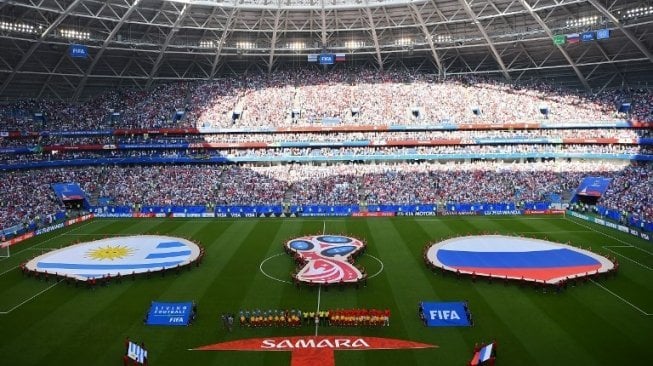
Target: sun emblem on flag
{"type": "Point", "coordinates": [110, 252]}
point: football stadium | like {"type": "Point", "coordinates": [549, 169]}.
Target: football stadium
{"type": "Point", "coordinates": [326, 182]}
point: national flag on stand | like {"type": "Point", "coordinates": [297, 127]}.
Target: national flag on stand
{"type": "Point", "coordinates": [483, 356]}
{"type": "Point", "coordinates": [573, 38]}
{"type": "Point", "coordinates": [136, 353]}
{"type": "Point", "coordinates": [485, 353]}
{"type": "Point", "coordinates": [340, 57]}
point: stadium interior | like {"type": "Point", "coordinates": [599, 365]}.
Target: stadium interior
{"type": "Point", "coordinates": [240, 108]}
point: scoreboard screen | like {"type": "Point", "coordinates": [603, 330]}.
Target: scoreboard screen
{"type": "Point", "coordinates": [603, 34]}
{"type": "Point", "coordinates": [326, 59]}
{"type": "Point", "coordinates": [78, 50]}
{"type": "Point", "coordinates": [587, 36]}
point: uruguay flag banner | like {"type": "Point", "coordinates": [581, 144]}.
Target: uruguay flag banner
{"type": "Point", "coordinates": [169, 313]}
{"type": "Point", "coordinates": [445, 314]}
{"type": "Point", "coordinates": [124, 255]}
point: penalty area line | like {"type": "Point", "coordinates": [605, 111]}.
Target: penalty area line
{"type": "Point", "coordinates": [12, 268]}
{"type": "Point", "coordinates": [103, 234]}
{"type": "Point", "coordinates": [30, 299]}
{"type": "Point", "coordinates": [552, 232]}
{"type": "Point", "coordinates": [36, 245]}
{"type": "Point", "coordinates": [606, 235]}
{"type": "Point", "coordinates": [621, 298]}
{"type": "Point", "coordinates": [9, 270]}
{"type": "Point", "coordinates": [628, 258]}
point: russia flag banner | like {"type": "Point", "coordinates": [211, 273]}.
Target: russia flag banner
{"type": "Point", "coordinates": [518, 258]}
{"type": "Point", "coordinates": [340, 57]}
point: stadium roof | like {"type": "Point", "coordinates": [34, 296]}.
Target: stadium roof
{"type": "Point", "coordinates": [141, 42]}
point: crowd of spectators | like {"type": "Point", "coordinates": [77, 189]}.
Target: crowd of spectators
{"type": "Point", "coordinates": [26, 196]}
{"type": "Point", "coordinates": [465, 136]}
{"type": "Point", "coordinates": [468, 136]}
{"type": "Point", "coordinates": [238, 186]}
{"type": "Point", "coordinates": [348, 153]}
{"type": "Point", "coordinates": [360, 152]}
{"type": "Point", "coordinates": [336, 184]}
{"type": "Point", "coordinates": [157, 185]}
{"type": "Point", "coordinates": [631, 192]}
{"type": "Point", "coordinates": [350, 96]}
{"type": "Point", "coordinates": [313, 97]}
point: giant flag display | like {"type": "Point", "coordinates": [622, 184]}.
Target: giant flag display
{"type": "Point", "coordinates": [117, 256]}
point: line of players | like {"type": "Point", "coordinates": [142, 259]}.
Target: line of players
{"type": "Point", "coordinates": [296, 318]}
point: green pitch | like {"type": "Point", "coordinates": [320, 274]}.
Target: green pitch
{"type": "Point", "coordinates": [605, 323]}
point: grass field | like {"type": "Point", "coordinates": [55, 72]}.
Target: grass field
{"type": "Point", "coordinates": [604, 323]}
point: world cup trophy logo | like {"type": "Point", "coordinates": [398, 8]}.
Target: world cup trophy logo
{"type": "Point", "coordinates": [326, 259]}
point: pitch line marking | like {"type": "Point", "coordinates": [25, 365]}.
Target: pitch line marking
{"type": "Point", "coordinates": [319, 290]}
{"type": "Point", "coordinates": [621, 298]}
{"type": "Point", "coordinates": [472, 217]}
{"type": "Point", "coordinates": [317, 312]}
{"type": "Point", "coordinates": [552, 232]}
{"type": "Point", "coordinates": [632, 260]}
{"type": "Point", "coordinates": [114, 234]}
{"type": "Point", "coordinates": [643, 250]}
{"type": "Point", "coordinates": [12, 268]}
{"type": "Point", "coordinates": [260, 267]}
{"type": "Point", "coordinates": [605, 234]}
{"type": "Point", "coordinates": [7, 271]}
{"type": "Point", "coordinates": [28, 300]}
{"type": "Point", "coordinates": [628, 246]}
{"type": "Point", "coordinates": [380, 270]}
{"type": "Point", "coordinates": [36, 245]}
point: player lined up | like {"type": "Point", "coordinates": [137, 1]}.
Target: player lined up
{"type": "Point", "coordinates": [256, 318]}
